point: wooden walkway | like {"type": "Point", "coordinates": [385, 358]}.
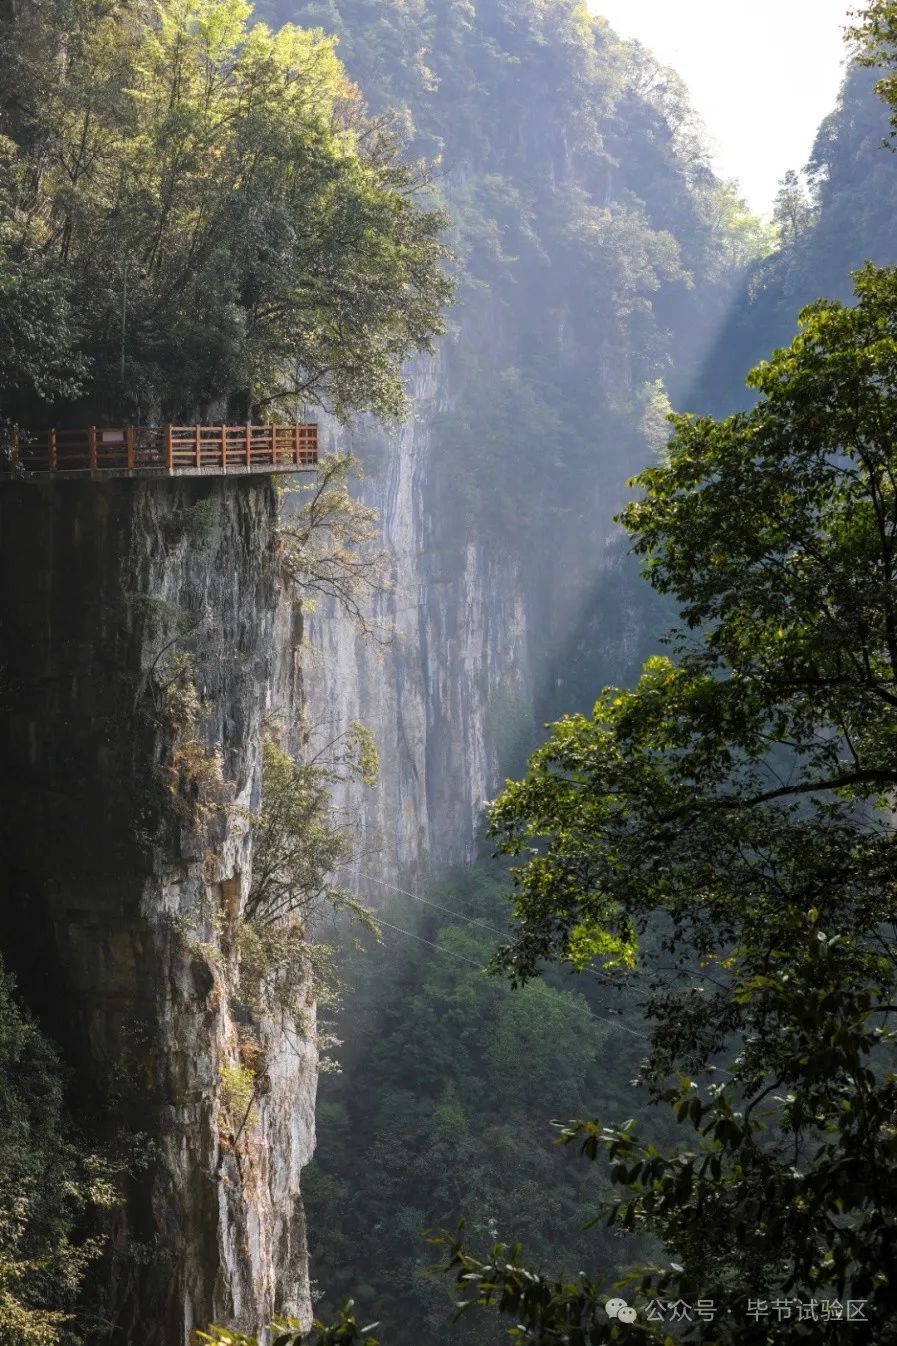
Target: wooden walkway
{"type": "Point", "coordinates": [169, 450]}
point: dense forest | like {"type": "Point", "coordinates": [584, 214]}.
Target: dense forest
{"type": "Point", "coordinates": [431, 1119]}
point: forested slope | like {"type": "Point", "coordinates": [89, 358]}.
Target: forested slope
{"type": "Point", "coordinates": [847, 206]}
{"type": "Point", "coordinates": [596, 251]}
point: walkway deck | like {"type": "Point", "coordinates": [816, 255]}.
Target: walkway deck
{"type": "Point", "coordinates": [167, 450]}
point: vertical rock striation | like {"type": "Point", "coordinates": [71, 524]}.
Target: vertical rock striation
{"type": "Point", "coordinates": [452, 641]}
{"type": "Point", "coordinates": [479, 636]}
{"type": "Point", "coordinates": [126, 856]}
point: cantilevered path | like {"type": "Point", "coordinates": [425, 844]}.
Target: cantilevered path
{"type": "Point", "coordinates": [165, 450]}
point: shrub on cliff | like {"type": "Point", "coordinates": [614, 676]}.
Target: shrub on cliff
{"type": "Point", "coordinates": [301, 844]}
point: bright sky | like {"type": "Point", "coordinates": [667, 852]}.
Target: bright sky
{"type": "Point", "coordinates": [762, 74]}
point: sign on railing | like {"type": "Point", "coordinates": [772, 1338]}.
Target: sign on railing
{"type": "Point", "coordinates": [175, 449]}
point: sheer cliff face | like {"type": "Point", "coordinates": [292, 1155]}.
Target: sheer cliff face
{"type": "Point", "coordinates": [450, 639]}
{"type": "Point", "coordinates": [477, 636]}
{"type": "Point", "coordinates": [594, 264]}
{"type": "Point", "coordinates": [123, 874]}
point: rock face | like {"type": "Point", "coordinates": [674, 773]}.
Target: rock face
{"type": "Point", "coordinates": [454, 647]}
{"type": "Point", "coordinates": [593, 263]}
{"type": "Point", "coordinates": [477, 639]}
{"type": "Point", "coordinates": [126, 858]}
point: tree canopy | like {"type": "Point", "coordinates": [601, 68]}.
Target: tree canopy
{"type": "Point", "coordinates": [431, 1118]}
{"type": "Point", "coordinates": [724, 831]}
{"type": "Point", "coordinates": [198, 215]}
{"type": "Point", "coordinates": [875, 36]}
{"type": "Point", "coordinates": [47, 1185]}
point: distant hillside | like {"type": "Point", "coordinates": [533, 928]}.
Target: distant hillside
{"type": "Point", "coordinates": [853, 187]}
{"type": "Point", "coordinates": [597, 253]}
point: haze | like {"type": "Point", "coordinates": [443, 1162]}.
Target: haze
{"type": "Point", "coordinates": [762, 77]}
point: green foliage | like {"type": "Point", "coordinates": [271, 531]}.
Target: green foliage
{"type": "Point", "coordinates": [198, 213]}
{"type": "Point", "coordinates": [284, 968]}
{"type": "Point", "coordinates": [792, 211]}
{"type": "Point", "coordinates": [299, 843]}
{"type": "Point", "coordinates": [193, 773]}
{"type": "Point", "coordinates": [740, 801]}
{"type": "Point", "coordinates": [38, 336]}
{"type": "Point", "coordinates": [833, 216]}
{"type": "Point", "coordinates": [345, 1330]}
{"type": "Point", "coordinates": [236, 1095]}
{"type": "Point", "coordinates": [875, 36]}
{"type": "Point", "coordinates": [443, 1110]}
{"type": "Point", "coordinates": [326, 539]}
{"type": "Point", "coordinates": [47, 1186]}
{"type": "Point", "coordinates": [281, 974]}
{"type": "Point", "coordinates": [546, 1310]}
{"type": "Point", "coordinates": [296, 847]}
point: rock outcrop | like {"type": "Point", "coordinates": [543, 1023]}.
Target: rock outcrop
{"type": "Point", "coordinates": [126, 858]}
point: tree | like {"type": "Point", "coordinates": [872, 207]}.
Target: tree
{"type": "Point", "coordinates": [299, 843]}
{"type": "Point", "coordinates": [326, 540]}
{"type": "Point", "coordinates": [875, 36]}
{"type": "Point", "coordinates": [47, 1185]}
{"type": "Point", "coordinates": [225, 225]}
{"type": "Point", "coordinates": [792, 212]}
{"type": "Point", "coordinates": [725, 831]}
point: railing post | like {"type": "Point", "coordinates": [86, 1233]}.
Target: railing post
{"type": "Point", "coordinates": [92, 447]}
{"type": "Point", "coordinates": [272, 432]}
{"type": "Point", "coordinates": [130, 447]}
{"type": "Point", "coordinates": [197, 433]}
{"type": "Point", "coordinates": [51, 450]}
{"type": "Point", "coordinates": [248, 444]}
{"type": "Point", "coordinates": [295, 445]}
{"type": "Point", "coordinates": [224, 448]}
{"type": "Point", "coordinates": [169, 450]}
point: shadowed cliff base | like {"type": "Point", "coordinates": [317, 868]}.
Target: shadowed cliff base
{"type": "Point", "coordinates": [145, 636]}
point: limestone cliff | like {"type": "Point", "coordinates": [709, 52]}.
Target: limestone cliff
{"type": "Point", "coordinates": [595, 258]}
{"type": "Point", "coordinates": [126, 858]}
{"type": "Point", "coordinates": [451, 642]}
{"type": "Point", "coordinates": [479, 638]}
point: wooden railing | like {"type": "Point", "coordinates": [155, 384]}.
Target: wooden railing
{"type": "Point", "coordinates": [173, 449]}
